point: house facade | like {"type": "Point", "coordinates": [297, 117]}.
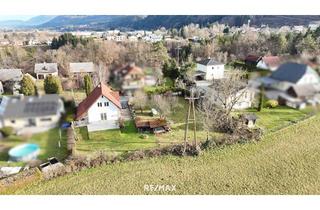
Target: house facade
{"type": "Point", "coordinates": [294, 85]}
{"type": "Point", "coordinates": [209, 69]}
{"type": "Point", "coordinates": [131, 78]}
{"type": "Point", "coordinates": [10, 79]}
{"type": "Point", "coordinates": [269, 63]}
{"type": "Point", "coordinates": [79, 70]}
{"type": "Point", "coordinates": [31, 114]}
{"type": "Point", "coordinates": [42, 70]}
{"type": "Point", "coordinates": [101, 110]}
{"type": "Point", "coordinates": [244, 98]}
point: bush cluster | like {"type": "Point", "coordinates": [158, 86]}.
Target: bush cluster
{"type": "Point", "coordinates": [7, 131]}
{"type": "Point", "coordinates": [271, 103]}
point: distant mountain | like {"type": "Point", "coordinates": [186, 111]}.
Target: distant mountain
{"type": "Point", "coordinates": [32, 22]}
{"type": "Point", "coordinates": [38, 20]}
{"type": "Point", "coordinates": [150, 22]}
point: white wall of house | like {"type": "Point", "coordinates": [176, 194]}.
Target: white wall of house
{"type": "Point", "coordinates": [308, 79]}
{"type": "Point", "coordinates": [106, 112]}
{"type": "Point", "coordinates": [44, 75]}
{"type": "Point", "coordinates": [49, 122]}
{"type": "Point", "coordinates": [262, 65]}
{"type": "Point", "coordinates": [245, 100]}
{"type": "Point", "coordinates": [212, 71]}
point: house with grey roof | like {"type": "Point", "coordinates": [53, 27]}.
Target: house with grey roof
{"type": "Point", "coordinates": [42, 70]}
{"type": "Point", "coordinates": [78, 70]}
{"type": "Point", "coordinates": [209, 69]}
{"type": "Point", "coordinates": [10, 79]}
{"type": "Point", "coordinates": [294, 83]}
{"type": "Point", "coordinates": [31, 113]}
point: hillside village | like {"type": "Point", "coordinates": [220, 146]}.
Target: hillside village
{"type": "Point", "coordinates": [78, 101]}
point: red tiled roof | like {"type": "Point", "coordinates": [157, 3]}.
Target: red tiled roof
{"type": "Point", "coordinates": [100, 90]}
{"type": "Point", "coordinates": [252, 58]}
{"type": "Point", "coordinates": [272, 61]}
{"type": "Point", "coordinates": [130, 69]}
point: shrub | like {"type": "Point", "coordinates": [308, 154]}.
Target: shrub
{"type": "Point", "coordinates": [272, 103]}
{"type": "Point", "coordinates": [209, 144]}
{"type": "Point", "coordinates": [28, 87]}
{"type": "Point", "coordinates": [144, 136]}
{"type": "Point", "coordinates": [52, 85]}
{"type": "Point", "coordinates": [6, 131]}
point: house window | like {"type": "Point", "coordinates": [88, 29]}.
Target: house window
{"type": "Point", "coordinates": [13, 121]}
{"type": "Point", "coordinates": [99, 104]}
{"type": "Point", "coordinates": [106, 103]}
{"type": "Point", "coordinates": [45, 119]}
{"type": "Point", "coordinates": [103, 116]}
{"type": "Point", "coordinates": [212, 67]}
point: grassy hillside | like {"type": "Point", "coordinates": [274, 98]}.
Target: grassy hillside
{"type": "Point", "coordinates": [285, 162]}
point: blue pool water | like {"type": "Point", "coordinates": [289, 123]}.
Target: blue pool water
{"type": "Point", "coordinates": [24, 152]}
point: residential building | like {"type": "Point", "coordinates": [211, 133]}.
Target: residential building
{"type": "Point", "coordinates": [209, 69]}
{"type": "Point", "coordinates": [269, 63]}
{"type": "Point", "coordinates": [252, 60]}
{"type": "Point", "coordinates": [31, 114]}
{"type": "Point", "coordinates": [42, 70]}
{"type": "Point", "coordinates": [101, 110]}
{"type": "Point", "coordinates": [10, 79]}
{"type": "Point", "coordinates": [245, 98]}
{"type": "Point", "coordinates": [130, 78]}
{"type": "Point", "coordinates": [78, 70]}
{"type": "Point", "coordinates": [293, 84]}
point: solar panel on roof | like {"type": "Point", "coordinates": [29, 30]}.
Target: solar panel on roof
{"type": "Point", "coordinates": [40, 107]}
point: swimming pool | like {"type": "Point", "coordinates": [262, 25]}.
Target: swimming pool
{"type": "Point", "coordinates": [24, 152]}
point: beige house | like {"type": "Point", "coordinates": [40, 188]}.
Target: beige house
{"type": "Point", "coordinates": [79, 70]}
{"type": "Point", "coordinates": [42, 70]}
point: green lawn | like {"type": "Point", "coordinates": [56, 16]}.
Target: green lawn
{"type": "Point", "coordinates": [274, 119]}
{"type": "Point", "coordinates": [48, 142]}
{"type": "Point", "coordinates": [284, 162]}
{"type": "Point", "coordinates": [77, 95]}
{"type": "Point", "coordinates": [113, 140]}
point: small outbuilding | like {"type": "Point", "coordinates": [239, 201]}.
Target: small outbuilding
{"type": "Point", "coordinates": [249, 119]}
{"type": "Point", "coordinates": [155, 126]}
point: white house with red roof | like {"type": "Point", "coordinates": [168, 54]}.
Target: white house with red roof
{"type": "Point", "coordinates": [269, 63]}
{"type": "Point", "coordinates": [101, 110]}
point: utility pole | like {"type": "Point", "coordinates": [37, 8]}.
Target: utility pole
{"type": "Point", "coordinates": [191, 108]}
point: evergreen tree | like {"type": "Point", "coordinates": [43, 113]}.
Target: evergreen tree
{"type": "Point", "coordinates": [28, 87]}
{"type": "Point", "coordinates": [87, 84]}
{"type": "Point", "coordinates": [52, 85]}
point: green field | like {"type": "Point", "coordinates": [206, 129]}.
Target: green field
{"type": "Point", "coordinates": [284, 162]}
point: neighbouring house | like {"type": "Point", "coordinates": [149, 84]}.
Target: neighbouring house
{"type": "Point", "coordinates": [295, 84]}
{"type": "Point", "coordinates": [155, 126]}
{"type": "Point", "coordinates": [10, 79]}
{"type": "Point", "coordinates": [269, 63]}
{"type": "Point", "coordinates": [245, 98]}
{"type": "Point", "coordinates": [130, 78]}
{"type": "Point", "coordinates": [31, 114]}
{"type": "Point", "coordinates": [78, 70]}
{"type": "Point", "coordinates": [101, 110]}
{"type": "Point", "coordinates": [209, 69]}
{"type": "Point", "coordinates": [252, 60]}
{"type": "Point", "coordinates": [42, 70]}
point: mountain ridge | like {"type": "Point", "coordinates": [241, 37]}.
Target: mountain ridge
{"type": "Point", "coordinates": [151, 22]}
